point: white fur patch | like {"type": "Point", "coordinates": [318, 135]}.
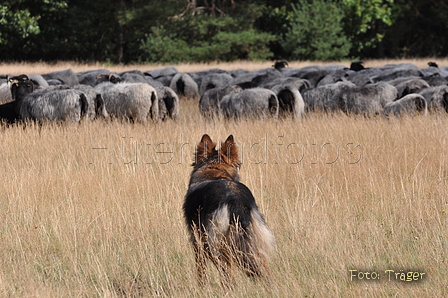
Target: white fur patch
{"type": "Point", "coordinates": [220, 219]}
{"type": "Point", "coordinates": [262, 236]}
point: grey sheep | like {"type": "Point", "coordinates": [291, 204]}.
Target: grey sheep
{"type": "Point", "coordinates": [134, 77]}
{"type": "Point", "coordinates": [391, 71]}
{"type": "Point", "coordinates": [52, 104]}
{"type": "Point", "coordinates": [162, 75]}
{"type": "Point", "coordinates": [256, 78]}
{"type": "Point", "coordinates": [358, 78]}
{"type": "Point", "coordinates": [97, 107]}
{"type": "Point", "coordinates": [131, 101]}
{"type": "Point", "coordinates": [209, 103]}
{"type": "Point", "coordinates": [168, 103]}
{"type": "Point", "coordinates": [368, 100]}
{"type": "Point", "coordinates": [320, 99]}
{"type": "Point", "coordinates": [255, 102]}
{"type": "Point", "coordinates": [410, 104]}
{"type": "Point", "coordinates": [184, 86]}
{"type": "Point", "coordinates": [300, 84]}
{"type": "Point", "coordinates": [409, 85]}
{"type": "Point", "coordinates": [162, 72]}
{"type": "Point", "coordinates": [213, 80]}
{"type": "Point", "coordinates": [437, 98]}
{"type": "Point", "coordinates": [38, 81]}
{"type": "Point", "coordinates": [290, 101]}
{"type": "Point", "coordinates": [110, 77]}
{"type": "Point", "coordinates": [67, 77]}
{"type": "Point", "coordinates": [333, 77]}
{"type": "Point", "coordinates": [5, 93]}
{"type": "Point", "coordinates": [89, 77]}
{"type": "Point", "coordinates": [311, 73]}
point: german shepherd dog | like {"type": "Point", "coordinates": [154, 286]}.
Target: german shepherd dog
{"type": "Point", "coordinates": [222, 217]}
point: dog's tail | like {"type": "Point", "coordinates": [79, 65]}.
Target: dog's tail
{"type": "Point", "coordinates": [254, 244]}
{"type": "Point", "coordinates": [248, 241]}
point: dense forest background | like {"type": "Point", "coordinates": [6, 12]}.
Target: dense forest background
{"type": "Point", "coordinates": [174, 31]}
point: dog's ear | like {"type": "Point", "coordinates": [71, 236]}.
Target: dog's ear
{"type": "Point", "coordinates": [229, 152]}
{"type": "Point", "coordinates": [204, 150]}
{"type": "Point", "coordinates": [206, 138]}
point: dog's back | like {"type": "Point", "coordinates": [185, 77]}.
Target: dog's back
{"type": "Point", "coordinates": [210, 197]}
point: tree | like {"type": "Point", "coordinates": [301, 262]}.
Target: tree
{"type": "Point", "coordinates": [201, 36]}
{"type": "Point", "coordinates": [20, 22]}
{"type": "Point", "coordinates": [365, 22]}
{"type": "Point", "coordinates": [16, 24]}
{"type": "Point", "coordinates": [315, 31]}
{"type": "Point", "coordinates": [418, 30]}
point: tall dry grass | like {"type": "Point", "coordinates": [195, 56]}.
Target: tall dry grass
{"type": "Point", "coordinates": [94, 210]}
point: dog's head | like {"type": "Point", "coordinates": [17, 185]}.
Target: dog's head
{"type": "Point", "coordinates": [217, 164]}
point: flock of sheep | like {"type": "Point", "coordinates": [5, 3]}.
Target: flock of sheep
{"type": "Point", "coordinates": [276, 92]}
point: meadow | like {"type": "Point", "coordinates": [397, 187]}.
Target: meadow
{"type": "Point", "coordinates": [95, 209]}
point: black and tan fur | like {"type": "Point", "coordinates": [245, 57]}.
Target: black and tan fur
{"type": "Point", "coordinates": [222, 216]}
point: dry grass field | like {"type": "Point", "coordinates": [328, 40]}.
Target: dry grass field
{"type": "Point", "coordinates": [94, 210]}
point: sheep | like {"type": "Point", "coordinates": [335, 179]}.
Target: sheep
{"type": "Point", "coordinates": [238, 72]}
{"type": "Point", "coordinates": [256, 102]}
{"type": "Point", "coordinates": [52, 104]}
{"type": "Point", "coordinates": [132, 77]}
{"type": "Point", "coordinates": [8, 113]}
{"type": "Point", "coordinates": [368, 100]}
{"type": "Point", "coordinates": [5, 89]}
{"type": "Point", "coordinates": [162, 72]}
{"type": "Point", "coordinates": [410, 104]}
{"type": "Point", "coordinates": [256, 78]}
{"type": "Point", "coordinates": [279, 65]}
{"type": "Point", "coordinates": [113, 78]}
{"type": "Point", "coordinates": [411, 86]}
{"type": "Point", "coordinates": [357, 65]}
{"type": "Point", "coordinates": [97, 107]}
{"type": "Point", "coordinates": [168, 103]}
{"type": "Point", "coordinates": [290, 101]}
{"type": "Point", "coordinates": [333, 77]}
{"type": "Point", "coordinates": [319, 99]}
{"type": "Point", "coordinates": [300, 84]}
{"type": "Point", "coordinates": [436, 97]}
{"type": "Point", "coordinates": [38, 81]}
{"type": "Point", "coordinates": [391, 72]}
{"type": "Point", "coordinates": [435, 80]}
{"type": "Point", "coordinates": [358, 78]}
{"type": "Point", "coordinates": [162, 75]}
{"type": "Point", "coordinates": [132, 101]}
{"type": "Point", "coordinates": [5, 93]}
{"type": "Point", "coordinates": [314, 73]}
{"type": "Point", "coordinates": [184, 86]}
{"type": "Point", "coordinates": [89, 77]}
{"type": "Point", "coordinates": [209, 103]}
{"type": "Point", "coordinates": [67, 77]}
{"type": "Point", "coordinates": [213, 80]}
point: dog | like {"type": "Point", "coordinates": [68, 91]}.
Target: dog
{"type": "Point", "coordinates": [222, 217]}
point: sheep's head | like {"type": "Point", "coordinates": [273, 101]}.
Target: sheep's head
{"type": "Point", "coordinates": [103, 77]}
{"type": "Point", "coordinates": [280, 64]}
{"type": "Point", "coordinates": [16, 79]}
{"type": "Point", "coordinates": [20, 89]}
